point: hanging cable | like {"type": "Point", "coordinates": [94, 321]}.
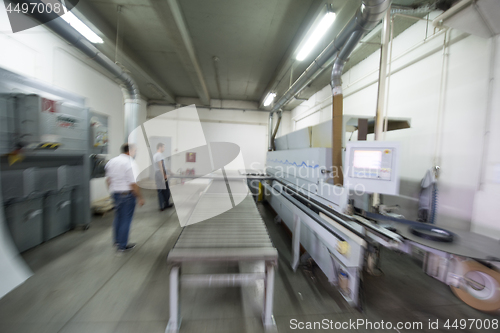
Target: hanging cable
{"type": "Point", "coordinates": [117, 44]}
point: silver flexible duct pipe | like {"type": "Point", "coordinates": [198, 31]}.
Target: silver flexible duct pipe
{"type": "Point", "coordinates": [366, 18]}
{"type": "Point", "coordinates": [132, 95]}
{"type": "Point", "coordinates": [273, 145]}
{"type": "Point", "coordinates": [270, 131]}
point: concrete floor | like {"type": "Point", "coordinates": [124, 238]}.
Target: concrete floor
{"type": "Point", "coordinates": [81, 285]}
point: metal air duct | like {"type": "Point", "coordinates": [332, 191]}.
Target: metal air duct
{"type": "Point", "coordinates": [366, 18]}
{"type": "Point", "coordinates": [273, 145]}
{"type": "Point", "coordinates": [131, 92]}
{"type": "Point", "coordinates": [270, 131]}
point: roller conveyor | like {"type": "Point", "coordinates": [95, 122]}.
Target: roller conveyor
{"type": "Point", "coordinates": [236, 235]}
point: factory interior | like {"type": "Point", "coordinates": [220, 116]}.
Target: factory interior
{"type": "Point", "coordinates": [249, 166]}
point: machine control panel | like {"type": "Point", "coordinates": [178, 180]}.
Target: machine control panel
{"type": "Point", "coordinates": [372, 166]}
{"type": "Point", "coordinates": [372, 163]}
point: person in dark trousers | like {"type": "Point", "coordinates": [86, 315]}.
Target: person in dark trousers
{"type": "Point", "coordinates": [161, 177]}
{"type": "Point", "coordinates": [120, 173]}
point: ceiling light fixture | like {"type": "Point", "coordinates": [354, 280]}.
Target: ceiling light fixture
{"type": "Point", "coordinates": [81, 27]}
{"type": "Point", "coordinates": [270, 98]}
{"type": "Point", "coordinates": [316, 34]}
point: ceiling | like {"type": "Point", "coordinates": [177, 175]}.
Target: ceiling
{"type": "Point", "coordinates": [218, 49]}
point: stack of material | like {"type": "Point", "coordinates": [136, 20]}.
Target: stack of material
{"type": "Point", "coordinates": [103, 206]}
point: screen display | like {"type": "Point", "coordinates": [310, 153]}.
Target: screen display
{"type": "Point", "coordinates": [372, 163]}
{"type": "Point", "coordinates": [367, 159]}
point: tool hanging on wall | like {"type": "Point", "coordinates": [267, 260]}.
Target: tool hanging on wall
{"type": "Point", "coordinates": [427, 203]}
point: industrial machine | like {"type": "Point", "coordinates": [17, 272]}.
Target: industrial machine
{"type": "Point", "coordinates": [46, 140]}
{"type": "Point", "coordinates": [343, 231]}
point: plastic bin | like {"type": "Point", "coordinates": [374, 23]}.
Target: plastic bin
{"type": "Point", "coordinates": [25, 221]}
{"type": "Point", "coordinates": [7, 124]}
{"type": "Point", "coordinates": [57, 213]}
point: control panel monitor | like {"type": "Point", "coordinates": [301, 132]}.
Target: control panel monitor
{"type": "Point", "coordinates": [372, 166]}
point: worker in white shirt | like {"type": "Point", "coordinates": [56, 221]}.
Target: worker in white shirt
{"type": "Point", "coordinates": [161, 178]}
{"type": "Point", "coordinates": [125, 192]}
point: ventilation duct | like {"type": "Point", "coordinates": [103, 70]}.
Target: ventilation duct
{"type": "Point", "coordinates": [366, 18]}
{"type": "Point", "coordinates": [273, 145]}
{"type": "Point", "coordinates": [131, 90]}
{"type": "Point", "coordinates": [270, 131]}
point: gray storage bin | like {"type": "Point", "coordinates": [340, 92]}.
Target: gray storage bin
{"type": "Point", "coordinates": [7, 124]}
{"type": "Point", "coordinates": [28, 109]}
{"type": "Point", "coordinates": [12, 184]}
{"type": "Point", "coordinates": [25, 221]}
{"type": "Point", "coordinates": [56, 213]}
{"type": "Point", "coordinates": [45, 179]}
{"type": "Point", "coordinates": [78, 209]}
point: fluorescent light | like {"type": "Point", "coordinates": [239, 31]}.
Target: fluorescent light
{"type": "Point", "coordinates": [316, 35]}
{"type": "Point", "coordinates": [269, 99]}
{"type": "Point", "coordinates": [79, 26]}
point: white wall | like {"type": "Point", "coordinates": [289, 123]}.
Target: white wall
{"type": "Point", "coordinates": [415, 93]}
{"type": "Point", "coordinates": [40, 54]}
{"type": "Point", "coordinates": [248, 129]}
{"type": "Point", "coordinates": [486, 208]}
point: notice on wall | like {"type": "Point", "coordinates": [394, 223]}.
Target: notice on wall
{"type": "Point", "coordinates": [48, 105]}
{"type": "Point", "coordinates": [191, 157]}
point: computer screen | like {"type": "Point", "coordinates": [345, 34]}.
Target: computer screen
{"type": "Point", "coordinates": [373, 163]}
{"type": "Point", "coordinates": [372, 166]}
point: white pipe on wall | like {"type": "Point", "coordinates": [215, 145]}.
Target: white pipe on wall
{"type": "Point", "coordinates": [386, 108]}
{"type": "Point", "coordinates": [409, 50]}
{"type": "Point", "coordinates": [442, 97]}
{"type": "Point", "coordinates": [489, 109]}
{"type": "Point", "coordinates": [389, 73]}
{"type": "Point", "coordinates": [427, 54]}
{"type": "Point", "coordinates": [382, 86]}
{"type": "Point", "coordinates": [382, 78]}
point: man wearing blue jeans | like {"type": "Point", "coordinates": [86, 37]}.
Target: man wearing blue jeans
{"type": "Point", "coordinates": [125, 193]}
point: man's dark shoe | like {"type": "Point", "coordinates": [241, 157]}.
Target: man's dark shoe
{"type": "Point", "coordinates": [127, 248]}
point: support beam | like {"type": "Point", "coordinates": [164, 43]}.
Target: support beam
{"type": "Point", "coordinates": [337, 133]}
{"type": "Point", "coordinates": [170, 15]}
